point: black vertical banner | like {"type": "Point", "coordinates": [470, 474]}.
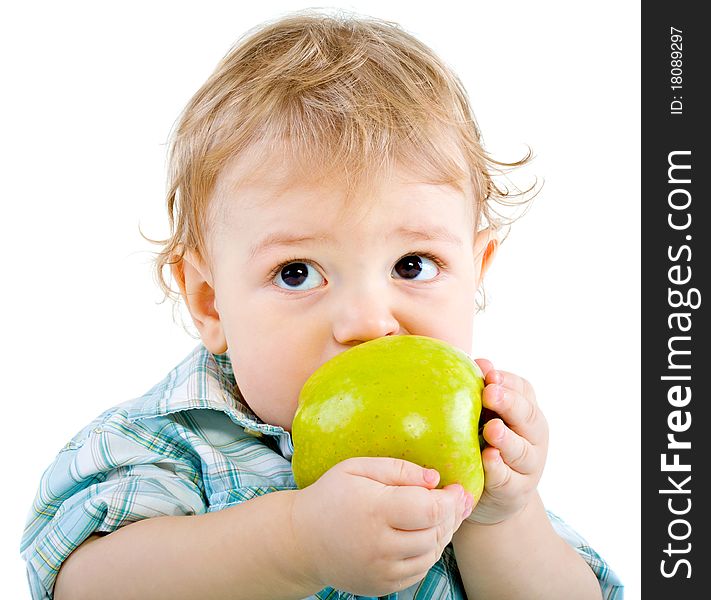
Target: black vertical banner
{"type": "Point", "coordinates": [676, 262]}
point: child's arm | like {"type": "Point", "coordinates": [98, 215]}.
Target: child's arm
{"type": "Point", "coordinates": [522, 557]}
{"type": "Point", "coordinates": [370, 525]}
{"type": "Point", "coordinates": [245, 551]}
{"type": "Point", "coordinates": [508, 548]}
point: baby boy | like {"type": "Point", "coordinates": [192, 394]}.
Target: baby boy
{"type": "Point", "coordinates": [327, 187]}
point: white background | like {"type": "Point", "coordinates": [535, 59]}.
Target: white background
{"type": "Point", "coordinates": [91, 91]}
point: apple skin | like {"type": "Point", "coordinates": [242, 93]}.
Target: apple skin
{"type": "Point", "coordinates": [411, 397]}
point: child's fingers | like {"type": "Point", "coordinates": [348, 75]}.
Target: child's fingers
{"type": "Point", "coordinates": [411, 544]}
{"type": "Point", "coordinates": [497, 474]}
{"type": "Point", "coordinates": [415, 569]}
{"type": "Point", "coordinates": [411, 508]}
{"type": "Point", "coordinates": [518, 384]}
{"type": "Point", "coordinates": [514, 384]}
{"type": "Point", "coordinates": [517, 452]}
{"type": "Point", "coordinates": [429, 542]}
{"type": "Point", "coordinates": [519, 411]}
{"type": "Point", "coordinates": [485, 365]}
{"type": "Point", "coordinates": [390, 471]}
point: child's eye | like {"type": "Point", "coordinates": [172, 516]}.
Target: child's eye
{"type": "Point", "coordinates": [298, 276]}
{"type": "Point", "coordinates": [415, 267]}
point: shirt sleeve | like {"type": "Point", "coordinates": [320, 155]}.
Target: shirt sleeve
{"type": "Point", "coordinates": [610, 584]}
{"type": "Point", "coordinates": [112, 475]}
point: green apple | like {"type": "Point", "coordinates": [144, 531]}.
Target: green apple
{"type": "Point", "coordinates": [410, 397]}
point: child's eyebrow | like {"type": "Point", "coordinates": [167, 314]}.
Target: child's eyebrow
{"type": "Point", "coordinates": [285, 238]}
{"type": "Point", "coordinates": [429, 234]}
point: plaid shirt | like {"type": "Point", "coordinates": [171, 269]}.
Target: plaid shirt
{"type": "Point", "coordinates": [161, 455]}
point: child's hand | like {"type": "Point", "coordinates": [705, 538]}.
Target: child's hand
{"type": "Point", "coordinates": [373, 526]}
{"type": "Point", "coordinates": [518, 443]}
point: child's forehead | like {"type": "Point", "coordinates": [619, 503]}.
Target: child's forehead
{"type": "Point", "coordinates": [259, 202]}
{"type": "Point", "coordinates": [259, 179]}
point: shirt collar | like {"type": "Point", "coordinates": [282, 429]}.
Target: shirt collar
{"type": "Point", "coordinates": [203, 380]}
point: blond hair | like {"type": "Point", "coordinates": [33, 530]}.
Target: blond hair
{"type": "Point", "coordinates": [334, 93]}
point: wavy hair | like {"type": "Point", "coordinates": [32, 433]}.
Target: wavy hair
{"type": "Point", "coordinates": [333, 93]}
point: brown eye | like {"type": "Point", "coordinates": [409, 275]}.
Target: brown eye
{"type": "Point", "coordinates": [298, 276]}
{"type": "Point", "coordinates": [416, 267]}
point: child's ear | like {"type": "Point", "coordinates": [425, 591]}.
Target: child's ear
{"type": "Point", "coordinates": [486, 244]}
{"type": "Point", "coordinates": [197, 289]}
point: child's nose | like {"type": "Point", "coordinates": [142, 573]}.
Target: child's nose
{"type": "Point", "coordinates": [363, 315]}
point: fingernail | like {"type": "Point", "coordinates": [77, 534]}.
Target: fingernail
{"type": "Point", "coordinates": [431, 476]}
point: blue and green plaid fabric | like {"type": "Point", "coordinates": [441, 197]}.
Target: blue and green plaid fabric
{"type": "Point", "coordinates": [190, 445]}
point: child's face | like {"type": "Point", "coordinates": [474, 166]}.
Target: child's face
{"type": "Point", "coordinates": [301, 275]}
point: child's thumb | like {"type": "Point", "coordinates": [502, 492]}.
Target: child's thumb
{"type": "Point", "coordinates": [393, 471]}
